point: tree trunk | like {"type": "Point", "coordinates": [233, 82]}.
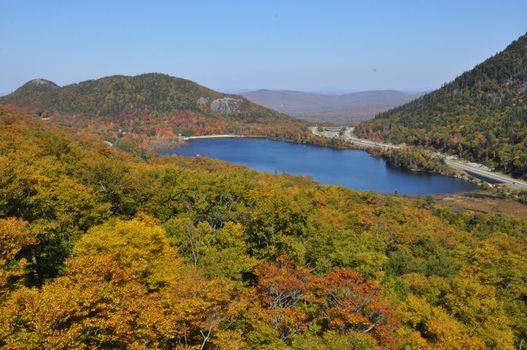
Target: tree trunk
{"type": "Point", "coordinates": [34, 265]}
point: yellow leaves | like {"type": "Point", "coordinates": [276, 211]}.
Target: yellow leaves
{"type": "Point", "coordinates": [228, 339]}
{"type": "Point", "coordinates": [471, 300]}
{"type": "Point", "coordinates": [13, 238]}
{"type": "Point", "coordinates": [140, 248]}
{"type": "Point", "coordinates": [22, 302]}
{"type": "Point", "coordinates": [443, 331]}
{"type": "Point", "coordinates": [429, 287]}
{"type": "Point", "coordinates": [95, 269]}
{"type": "Point", "coordinates": [476, 305]}
{"type": "Point", "coordinates": [334, 340]}
{"type": "Point", "coordinates": [471, 318]}
{"type": "Point", "coordinates": [101, 300]}
{"type": "Point", "coordinates": [412, 340]}
{"type": "Point", "coordinates": [230, 235]}
{"type": "Point", "coordinates": [73, 312]}
{"type": "Point", "coordinates": [415, 310]}
{"type": "Point", "coordinates": [450, 334]}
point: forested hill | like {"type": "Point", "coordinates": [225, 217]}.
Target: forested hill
{"type": "Point", "coordinates": [101, 249]}
{"type": "Point", "coordinates": [481, 115]}
{"type": "Point", "coordinates": [150, 108]}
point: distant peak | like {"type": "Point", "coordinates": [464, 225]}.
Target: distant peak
{"type": "Point", "coordinates": [41, 82]}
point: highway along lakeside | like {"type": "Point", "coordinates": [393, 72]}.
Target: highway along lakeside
{"type": "Point", "coordinates": [480, 171]}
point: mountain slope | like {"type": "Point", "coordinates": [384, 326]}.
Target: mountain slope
{"type": "Point", "coordinates": [150, 108]}
{"type": "Point", "coordinates": [342, 109]}
{"type": "Point", "coordinates": [481, 115]}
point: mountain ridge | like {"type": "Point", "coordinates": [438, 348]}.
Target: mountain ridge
{"type": "Point", "coordinates": [151, 106]}
{"type": "Point", "coordinates": [338, 108]}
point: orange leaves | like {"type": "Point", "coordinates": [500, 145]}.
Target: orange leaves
{"type": "Point", "coordinates": [281, 284]}
{"type": "Point", "coordinates": [343, 300]}
{"type": "Point", "coordinates": [355, 303]}
{"type": "Point", "coordinates": [96, 269]}
{"type": "Point", "coordinates": [282, 289]}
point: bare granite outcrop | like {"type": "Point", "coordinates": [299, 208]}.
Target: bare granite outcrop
{"type": "Point", "coordinates": [227, 105]}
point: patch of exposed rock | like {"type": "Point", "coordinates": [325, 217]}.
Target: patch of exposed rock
{"type": "Point", "coordinates": [42, 82]}
{"type": "Point", "coordinates": [226, 105]}
{"type": "Point", "coordinates": [202, 101]}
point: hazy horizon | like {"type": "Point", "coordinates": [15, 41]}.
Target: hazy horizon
{"type": "Point", "coordinates": [240, 91]}
{"type": "Point", "coordinates": [330, 47]}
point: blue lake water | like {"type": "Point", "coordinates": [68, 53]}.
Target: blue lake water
{"type": "Point", "coordinates": [350, 168]}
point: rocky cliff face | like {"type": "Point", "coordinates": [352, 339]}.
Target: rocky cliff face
{"type": "Point", "coordinates": [227, 105]}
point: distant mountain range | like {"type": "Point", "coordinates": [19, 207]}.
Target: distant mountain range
{"type": "Point", "coordinates": [151, 107]}
{"type": "Point", "coordinates": [481, 115]}
{"type": "Point", "coordinates": [340, 109]}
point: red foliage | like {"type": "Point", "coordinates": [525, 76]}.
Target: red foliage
{"type": "Point", "coordinates": [343, 300]}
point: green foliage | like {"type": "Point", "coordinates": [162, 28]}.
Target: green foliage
{"type": "Point", "coordinates": [334, 341]}
{"type": "Point", "coordinates": [219, 252]}
{"type": "Point", "coordinates": [415, 159]}
{"type": "Point", "coordinates": [101, 248]}
{"type": "Point", "coordinates": [151, 110]}
{"type": "Point", "coordinates": [481, 115]}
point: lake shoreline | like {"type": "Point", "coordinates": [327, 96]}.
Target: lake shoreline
{"type": "Point", "coordinates": [333, 143]}
{"type": "Point", "coordinates": [327, 165]}
{"type": "Point", "coordinates": [219, 136]}
{"type": "Point", "coordinates": [340, 144]}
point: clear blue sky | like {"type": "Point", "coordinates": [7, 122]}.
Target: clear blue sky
{"type": "Point", "coordinates": [307, 45]}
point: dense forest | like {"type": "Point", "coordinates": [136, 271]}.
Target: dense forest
{"type": "Point", "coordinates": [105, 249]}
{"type": "Point", "coordinates": [151, 110]}
{"type": "Point", "coordinates": [481, 115]}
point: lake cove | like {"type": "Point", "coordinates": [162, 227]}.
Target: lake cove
{"type": "Point", "coordinates": [350, 168]}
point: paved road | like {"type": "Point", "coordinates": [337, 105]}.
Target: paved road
{"type": "Point", "coordinates": [348, 136]}
{"type": "Point", "coordinates": [471, 168]}
{"type": "Point", "coordinates": [486, 174]}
